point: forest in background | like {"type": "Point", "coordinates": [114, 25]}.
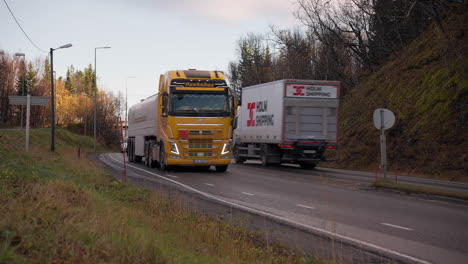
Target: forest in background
{"type": "Point", "coordinates": [408, 56]}
{"type": "Point", "coordinates": [74, 98]}
{"type": "Point", "coordinates": [342, 40]}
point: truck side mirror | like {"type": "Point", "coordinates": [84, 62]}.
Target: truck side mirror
{"type": "Point", "coordinates": [234, 122]}
{"type": "Point", "coordinates": [164, 104]}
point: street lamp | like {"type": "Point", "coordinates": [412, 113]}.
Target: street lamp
{"type": "Point", "coordinates": [95, 93]}
{"type": "Point", "coordinates": [126, 105]}
{"type": "Point", "coordinates": [24, 79]}
{"type": "Point", "coordinates": [52, 96]}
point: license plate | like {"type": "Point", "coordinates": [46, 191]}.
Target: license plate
{"type": "Point", "coordinates": [308, 151]}
{"type": "Point", "coordinates": [200, 161]}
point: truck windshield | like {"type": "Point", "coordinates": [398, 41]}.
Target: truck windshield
{"type": "Point", "coordinates": [197, 104]}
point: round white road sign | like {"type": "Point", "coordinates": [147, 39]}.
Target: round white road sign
{"type": "Point", "coordinates": [383, 118]}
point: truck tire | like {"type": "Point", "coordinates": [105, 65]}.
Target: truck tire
{"type": "Point", "coordinates": [145, 153]}
{"type": "Point", "coordinates": [129, 150]}
{"type": "Point", "coordinates": [162, 159]}
{"type": "Point", "coordinates": [264, 160]}
{"type": "Point", "coordinates": [152, 162]}
{"type": "Point", "coordinates": [264, 155]}
{"type": "Point", "coordinates": [307, 165]}
{"type": "Point", "coordinates": [237, 158]}
{"type": "Point", "coordinates": [221, 168]}
{"type": "Point", "coordinates": [137, 159]}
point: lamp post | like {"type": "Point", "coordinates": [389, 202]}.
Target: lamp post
{"type": "Point", "coordinates": [52, 96]}
{"type": "Point", "coordinates": [95, 93]}
{"type": "Point", "coordinates": [24, 79]}
{"type": "Point", "coordinates": [126, 105]}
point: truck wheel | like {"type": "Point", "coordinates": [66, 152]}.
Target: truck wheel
{"type": "Point", "coordinates": [264, 160]}
{"type": "Point", "coordinates": [146, 155]}
{"type": "Point", "coordinates": [237, 158]}
{"type": "Point", "coordinates": [138, 159]}
{"type": "Point", "coordinates": [264, 155]}
{"type": "Point", "coordinates": [307, 165]}
{"type": "Point", "coordinates": [152, 162]}
{"type": "Point", "coordinates": [221, 168]}
{"type": "Point", "coordinates": [162, 159]}
{"type": "Point", "coordinates": [130, 151]}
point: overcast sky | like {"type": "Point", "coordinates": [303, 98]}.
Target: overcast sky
{"type": "Point", "coordinates": [148, 37]}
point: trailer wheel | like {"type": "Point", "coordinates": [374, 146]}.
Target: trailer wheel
{"type": "Point", "coordinates": [307, 165]}
{"type": "Point", "coordinates": [132, 151]}
{"type": "Point", "coordinates": [152, 162]}
{"type": "Point", "coordinates": [221, 168]}
{"type": "Point", "coordinates": [145, 153]}
{"type": "Point", "coordinates": [237, 158]}
{"type": "Point", "coordinates": [129, 150]}
{"type": "Point", "coordinates": [137, 159]}
{"type": "Point", "coordinates": [263, 155]}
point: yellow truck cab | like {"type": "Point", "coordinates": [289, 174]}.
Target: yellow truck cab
{"type": "Point", "coordinates": [189, 122]}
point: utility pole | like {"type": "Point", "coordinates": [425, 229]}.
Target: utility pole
{"type": "Point", "coordinates": [24, 86]}
{"type": "Point", "coordinates": [52, 102]}
{"type": "Point", "coordinates": [126, 105]}
{"type": "Point", "coordinates": [52, 96]}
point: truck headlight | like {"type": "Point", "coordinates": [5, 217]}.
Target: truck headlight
{"type": "Point", "coordinates": [226, 147]}
{"type": "Point", "coordinates": [173, 147]}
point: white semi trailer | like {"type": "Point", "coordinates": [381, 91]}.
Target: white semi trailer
{"type": "Point", "coordinates": [287, 121]}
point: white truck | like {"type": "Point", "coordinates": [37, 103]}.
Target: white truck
{"type": "Point", "coordinates": [287, 121]}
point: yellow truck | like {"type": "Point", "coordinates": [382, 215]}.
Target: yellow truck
{"type": "Point", "coordinates": [187, 123]}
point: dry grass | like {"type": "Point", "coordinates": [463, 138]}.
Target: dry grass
{"type": "Point", "coordinates": [386, 184]}
{"type": "Point", "coordinates": [57, 208]}
{"type": "Point", "coordinates": [426, 85]}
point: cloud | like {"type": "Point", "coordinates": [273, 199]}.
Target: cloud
{"type": "Point", "coordinates": [238, 10]}
{"type": "Point", "coordinates": [225, 10]}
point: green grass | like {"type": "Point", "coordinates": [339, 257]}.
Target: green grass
{"type": "Point", "coordinates": [57, 208]}
{"type": "Point", "coordinates": [386, 184]}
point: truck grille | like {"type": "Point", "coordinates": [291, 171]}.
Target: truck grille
{"type": "Point", "coordinates": [200, 154]}
{"type": "Point", "coordinates": [200, 132]}
{"type": "Point", "coordinates": [200, 141]}
{"type": "Point", "coordinates": [200, 146]}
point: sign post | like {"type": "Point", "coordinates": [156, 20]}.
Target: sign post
{"type": "Point", "coordinates": [383, 120]}
{"type": "Point", "coordinates": [28, 101]}
{"type": "Point", "coordinates": [28, 116]}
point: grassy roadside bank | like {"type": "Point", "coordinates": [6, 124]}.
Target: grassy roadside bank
{"type": "Point", "coordinates": [413, 189]}
{"type": "Point", "coordinates": [56, 208]}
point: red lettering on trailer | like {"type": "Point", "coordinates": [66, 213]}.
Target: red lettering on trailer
{"type": "Point", "coordinates": [299, 90]}
{"type": "Point", "coordinates": [251, 107]}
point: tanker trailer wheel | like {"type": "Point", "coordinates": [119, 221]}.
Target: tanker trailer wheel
{"type": "Point", "coordinates": [152, 162]}
{"type": "Point", "coordinates": [221, 168]}
{"type": "Point", "coordinates": [162, 158]}
{"type": "Point", "coordinates": [128, 150]}
{"type": "Point", "coordinates": [146, 155]}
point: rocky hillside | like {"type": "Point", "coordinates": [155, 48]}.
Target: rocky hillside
{"type": "Point", "coordinates": [426, 86]}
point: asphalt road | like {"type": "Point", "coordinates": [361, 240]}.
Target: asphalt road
{"type": "Point", "coordinates": [335, 201]}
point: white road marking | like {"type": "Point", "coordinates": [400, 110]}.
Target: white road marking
{"type": "Point", "coordinates": [246, 193]}
{"type": "Point", "coordinates": [172, 176]}
{"type": "Point", "coordinates": [401, 227]}
{"type": "Point", "coordinates": [305, 206]}
{"type": "Point", "coordinates": [209, 184]}
{"type": "Point", "coordinates": [285, 219]}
